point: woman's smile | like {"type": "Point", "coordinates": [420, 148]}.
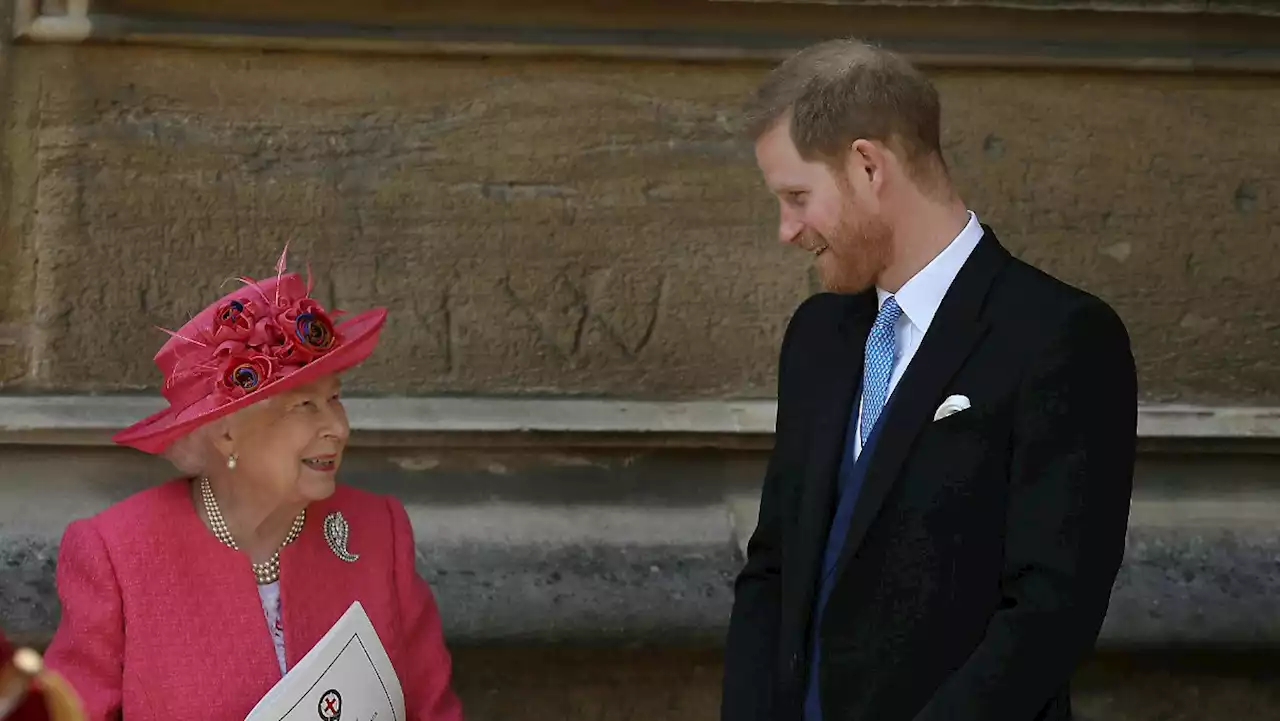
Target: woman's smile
{"type": "Point", "coordinates": [324, 464]}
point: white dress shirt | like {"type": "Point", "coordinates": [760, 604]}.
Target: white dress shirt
{"type": "Point", "coordinates": [919, 299]}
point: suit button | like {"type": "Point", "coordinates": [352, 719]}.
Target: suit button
{"type": "Point", "coordinates": [795, 661]}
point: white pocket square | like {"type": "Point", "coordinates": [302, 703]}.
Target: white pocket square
{"type": "Point", "coordinates": [951, 406]}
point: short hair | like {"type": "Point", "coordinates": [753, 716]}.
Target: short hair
{"type": "Point", "coordinates": [193, 453]}
{"type": "Point", "coordinates": [839, 91]}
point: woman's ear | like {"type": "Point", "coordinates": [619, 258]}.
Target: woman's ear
{"type": "Point", "coordinates": [222, 433]}
{"type": "Point", "coordinates": [231, 432]}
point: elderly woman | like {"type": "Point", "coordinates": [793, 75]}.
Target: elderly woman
{"type": "Point", "coordinates": [190, 600]}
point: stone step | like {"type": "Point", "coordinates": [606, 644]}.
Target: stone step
{"type": "Point", "coordinates": [682, 684]}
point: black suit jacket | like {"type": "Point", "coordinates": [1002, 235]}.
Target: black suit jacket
{"type": "Point", "coordinates": [983, 546]}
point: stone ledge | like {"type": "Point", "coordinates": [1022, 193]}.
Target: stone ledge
{"type": "Point", "coordinates": [90, 420]}
{"type": "Point", "coordinates": [527, 574]}
{"type": "Point", "coordinates": [33, 414]}
{"type": "Point", "coordinates": [1170, 35]}
{"type": "Point", "coordinates": [1188, 7]}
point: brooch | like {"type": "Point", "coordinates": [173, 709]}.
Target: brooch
{"type": "Point", "coordinates": [336, 532]}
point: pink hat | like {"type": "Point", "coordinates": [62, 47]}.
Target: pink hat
{"type": "Point", "coordinates": [264, 339]}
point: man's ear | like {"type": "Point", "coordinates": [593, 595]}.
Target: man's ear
{"type": "Point", "coordinates": [867, 162]}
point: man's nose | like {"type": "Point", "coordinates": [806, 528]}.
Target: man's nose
{"type": "Point", "coordinates": [789, 228]}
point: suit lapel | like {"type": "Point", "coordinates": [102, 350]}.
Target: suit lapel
{"type": "Point", "coordinates": [955, 331]}
{"type": "Point", "coordinates": [835, 388]}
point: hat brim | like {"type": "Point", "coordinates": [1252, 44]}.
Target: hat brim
{"type": "Point", "coordinates": [156, 432]}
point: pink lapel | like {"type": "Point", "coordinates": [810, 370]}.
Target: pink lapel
{"type": "Point", "coordinates": [215, 584]}
{"type": "Point", "coordinates": [316, 587]}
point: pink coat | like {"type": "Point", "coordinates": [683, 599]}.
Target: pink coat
{"type": "Point", "coordinates": [161, 621]}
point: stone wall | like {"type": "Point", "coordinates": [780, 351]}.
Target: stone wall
{"type": "Point", "coordinates": [574, 227]}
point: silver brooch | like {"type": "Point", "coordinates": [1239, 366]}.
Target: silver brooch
{"type": "Point", "coordinates": [336, 532]}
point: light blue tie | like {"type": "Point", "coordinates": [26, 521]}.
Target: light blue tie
{"type": "Point", "coordinates": [877, 365]}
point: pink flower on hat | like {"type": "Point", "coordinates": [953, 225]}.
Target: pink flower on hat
{"type": "Point", "coordinates": [308, 330]}
{"type": "Point", "coordinates": [256, 343]}
{"type": "Point", "coordinates": [233, 320]}
{"type": "Point", "coordinates": [242, 373]}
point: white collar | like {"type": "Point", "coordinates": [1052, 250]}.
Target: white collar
{"type": "Point", "coordinates": [921, 295]}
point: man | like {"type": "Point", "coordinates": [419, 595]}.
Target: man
{"type": "Point", "coordinates": [944, 511]}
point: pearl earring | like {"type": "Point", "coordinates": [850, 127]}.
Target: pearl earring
{"type": "Point", "coordinates": [231, 462]}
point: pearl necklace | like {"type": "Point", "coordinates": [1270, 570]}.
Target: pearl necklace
{"type": "Point", "coordinates": [268, 571]}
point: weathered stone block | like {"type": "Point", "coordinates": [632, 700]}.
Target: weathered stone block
{"type": "Point", "coordinates": [633, 545]}
{"type": "Point", "coordinates": [576, 227]}
{"type": "Point", "coordinates": [1196, 587]}
{"type": "Point", "coordinates": [15, 271]}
